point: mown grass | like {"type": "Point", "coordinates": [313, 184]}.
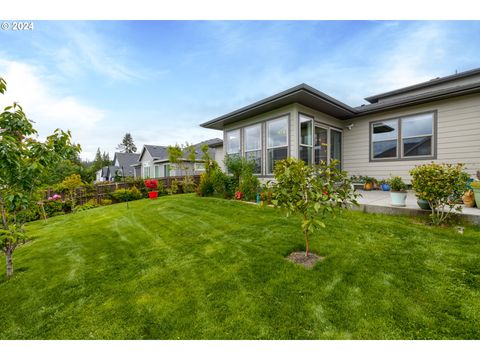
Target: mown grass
{"type": "Point", "coordinates": [184, 267]}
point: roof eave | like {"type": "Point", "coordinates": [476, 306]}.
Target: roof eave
{"type": "Point", "coordinates": [293, 95]}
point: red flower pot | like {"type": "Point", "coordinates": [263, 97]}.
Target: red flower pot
{"type": "Point", "coordinates": [153, 194]}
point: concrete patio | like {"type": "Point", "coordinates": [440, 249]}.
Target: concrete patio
{"type": "Point", "coordinates": [377, 201]}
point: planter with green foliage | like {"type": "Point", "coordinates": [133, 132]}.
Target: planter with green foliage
{"type": "Point", "coordinates": [438, 183]}
{"type": "Point", "coordinates": [398, 191]}
{"type": "Point", "coordinates": [475, 185]}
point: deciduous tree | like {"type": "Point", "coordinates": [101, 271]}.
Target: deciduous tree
{"type": "Point", "coordinates": [24, 161]}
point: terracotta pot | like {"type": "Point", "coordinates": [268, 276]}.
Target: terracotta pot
{"type": "Point", "coordinates": [367, 186]}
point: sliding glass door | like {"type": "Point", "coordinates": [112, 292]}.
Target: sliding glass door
{"type": "Point", "coordinates": [336, 146]}
{"type": "Point", "coordinates": [321, 145]}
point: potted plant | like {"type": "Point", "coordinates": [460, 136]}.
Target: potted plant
{"type": "Point", "coordinates": [398, 191]}
{"type": "Point", "coordinates": [369, 183]}
{"type": "Point", "coordinates": [152, 185]}
{"type": "Point", "coordinates": [476, 191]}
{"type": "Point", "coordinates": [469, 198]}
{"type": "Point", "coordinates": [384, 185]}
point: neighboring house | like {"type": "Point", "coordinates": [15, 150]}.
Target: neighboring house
{"type": "Point", "coordinates": [122, 166]}
{"type": "Point", "coordinates": [153, 161]}
{"type": "Point", "coordinates": [437, 120]}
{"type": "Point", "coordinates": [123, 163]}
{"type": "Point", "coordinates": [106, 173]}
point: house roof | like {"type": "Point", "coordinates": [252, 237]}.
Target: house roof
{"type": "Point", "coordinates": [421, 98]}
{"type": "Point", "coordinates": [160, 153]}
{"type": "Point", "coordinates": [315, 99]}
{"type": "Point", "coordinates": [125, 161]}
{"type": "Point", "coordinates": [303, 94]}
{"type": "Point", "coordinates": [425, 84]}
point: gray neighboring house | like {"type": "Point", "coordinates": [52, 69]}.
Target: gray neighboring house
{"type": "Point", "coordinates": [153, 160]}
{"type": "Point", "coordinates": [436, 120]}
{"type": "Point", "coordinates": [122, 165]}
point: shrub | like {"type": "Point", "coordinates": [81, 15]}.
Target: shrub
{"type": "Point", "coordinates": [397, 184]}
{"type": "Point", "coordinates": [70, 184]}
{"type": "Point", "coordinates": [312, 191]}
{"type": "Point", "coordinates": [122, 195]}
{"type": "Point", "coordinates": [105, 202]}
{"type": "Point", "coordinates": [438, 183]}
{"type": "Point", "coordinates": [151, 184]}
{"type": "Point", "coordinates": [188, 185]}
{"type": "Point", "coordinates": [54, 207]}
{"type": "Point", "coordinates": [248, 184]}
{"type": "Point", "coordinates": [174, 188]}
{"type": "Point", "coordinates": [90, 204]}
{"type": "Point", "coordinates": [205, 186]}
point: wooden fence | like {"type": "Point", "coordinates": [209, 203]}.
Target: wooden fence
{"type": "Point", "coordinates": [104, 190]}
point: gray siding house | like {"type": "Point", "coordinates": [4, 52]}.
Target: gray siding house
{"type": "Point", "coordinates": [153, 160]}
{"type": "Point", "coordinates": [122, 165]}
{"type": "Point", "coordinates": [437, 120]}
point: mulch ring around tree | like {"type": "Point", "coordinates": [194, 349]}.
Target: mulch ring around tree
{"type": "Point", "coordinates": [308, 262]}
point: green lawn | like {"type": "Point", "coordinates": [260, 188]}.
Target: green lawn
{"type": "Point", "coordinates": [184, 267]}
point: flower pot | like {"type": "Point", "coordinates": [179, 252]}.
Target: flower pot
{"type": "Point", "coordinates": [367, 186]}
{"type": "Point", "coordinates": [469, 198]}
{"type": "Point", "coordinates": [476, 191]}
{"type": "Point", "coordinates": [153, 194]}
{"type": "Point", "coordinates": [423, 204]}
{"type": "Point", "coordinates": [385, 187]}
{"type": "Point", "coordinates": [399, 198]}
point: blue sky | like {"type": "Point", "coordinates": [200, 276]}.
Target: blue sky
{"type": "Point", "coordinates": [160, 79]}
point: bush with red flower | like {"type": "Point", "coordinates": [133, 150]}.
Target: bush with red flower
{"type": "Point", "coordinates": [152, 185]}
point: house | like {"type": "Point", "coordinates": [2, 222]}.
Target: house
{"type": "Point", "coordinates": [123, 163]}
{"type": "Point", "coordinates": [153, 161]}
{"type": "Point", "coordinates": [437, 120]}
{"type": "Point", "coordinates": [106, 173]}
{"type": "Point", "coordinates": [122, 166]}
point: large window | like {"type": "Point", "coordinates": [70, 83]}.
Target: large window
{"type": "Point", "coordinates": [306, 138]}
{"type": "Point", "coordinates": [253, 146]}
{"type": "Point", "coordinates": [157, 171]}
{"type": "Point", "coordinates": [414, 140]}
{"type": "Point", "coordinates": [233, 142]}
{"type": "Point", "coordinates": [277, 142]}
{"type": "Point", "coordinates": [384, 139]}
{"type": "Point", "coordinates": [417, 134]}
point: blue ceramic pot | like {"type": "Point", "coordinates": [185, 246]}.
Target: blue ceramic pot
{"type": "Point", "coordinates": [385, 187]}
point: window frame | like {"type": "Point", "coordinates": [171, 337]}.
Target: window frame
{"type": "Point", "coordinates": [312, 136]}
{"type": "Point", "coordinates": [267, 148]}
{"type": "Point", "coordinates": [239, 141]}
{"type": "Point", "coordinates": [245, 151]}
{"type": "Point", "coordinates": [400, 156]}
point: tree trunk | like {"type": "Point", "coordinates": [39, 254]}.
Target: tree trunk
{"type": "Point", "coordinates": [9, 256]}
{"type": "Point", "coordinates": [305, 234]}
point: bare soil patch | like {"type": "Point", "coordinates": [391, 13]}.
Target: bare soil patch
{"type": "Point", "coordinates": [298, 257]}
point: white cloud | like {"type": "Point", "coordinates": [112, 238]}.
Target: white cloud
{"type": "Point", "coordinates": [47, 107]}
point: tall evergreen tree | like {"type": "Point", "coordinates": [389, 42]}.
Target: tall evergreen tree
{"type": "Point", "coordinates": [127, 145]}
{"type": "Point", "coordinates": [106, 159]}
{"type": "Point", "coordinates": [98, 162]}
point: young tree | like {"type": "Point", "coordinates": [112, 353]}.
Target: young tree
{"type": "Point", "coordinates": [24, 161]}
{"type": "Point", "coordinates": [312, 191]}
{"type": "Point", "coordinates": [184, 158]}
{"type": "Point", "coordinates": [127, 145]}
